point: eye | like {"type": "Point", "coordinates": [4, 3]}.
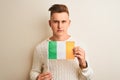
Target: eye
{"type": "Point", "coordinates": [63, 21]}
{"type": "Point", "coordinates": [55, 21]}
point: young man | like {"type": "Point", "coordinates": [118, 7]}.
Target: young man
{"type": "Point", "coordinates": [44, 69]}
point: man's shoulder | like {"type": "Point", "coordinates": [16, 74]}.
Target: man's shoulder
{"type": "Point", "coordinates": [42, 44]}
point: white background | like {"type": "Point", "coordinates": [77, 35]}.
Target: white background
{"type": "Point", "coordinates": [24, 23]}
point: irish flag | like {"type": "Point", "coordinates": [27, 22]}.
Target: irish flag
{"type": "Point", "coordinates": [60, 49]}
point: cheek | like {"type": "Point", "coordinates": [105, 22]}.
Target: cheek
{"type": "Point", "coordinates": [53, 28]}
{"type": "Point", "coordinates": [67, 26]}
{"type": "Point", "coordinates": [53, 25]}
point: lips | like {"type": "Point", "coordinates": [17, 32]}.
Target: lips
{"type": "Point", "coordinates": [59, 30]}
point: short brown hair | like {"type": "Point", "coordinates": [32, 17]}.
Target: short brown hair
{"type": "Point", "coordinates": [58, 8]}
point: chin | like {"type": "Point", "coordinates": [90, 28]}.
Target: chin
{"type": "Point", "coordinates": [60, 34]}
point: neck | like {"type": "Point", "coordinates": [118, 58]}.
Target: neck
{"type": "Point", "coordinates": [60, 38]}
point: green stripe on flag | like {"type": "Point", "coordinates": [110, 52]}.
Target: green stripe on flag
{"type": "Point", "coordinates": [52, 49]}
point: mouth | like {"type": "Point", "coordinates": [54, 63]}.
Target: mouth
{"type": "Point", "coordinates": [59, 30]}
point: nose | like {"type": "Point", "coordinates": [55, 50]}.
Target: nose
{"type": "Point", "coordinates": [59, 25]}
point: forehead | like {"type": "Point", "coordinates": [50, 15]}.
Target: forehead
{"type": "Point", "coordinates": [60, 16]}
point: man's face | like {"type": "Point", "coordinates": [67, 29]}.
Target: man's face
{"type": "Point", "coordinates": [59, 23]}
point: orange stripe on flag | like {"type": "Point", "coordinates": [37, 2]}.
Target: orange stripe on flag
{"type": "Point", "coordinates": [69, 49]}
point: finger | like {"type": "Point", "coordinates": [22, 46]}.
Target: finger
{"type": "Point", "coordinates": [75, 51]}
{"type": "Point", "coordinates": [78, 56]}
{"type": "Point", "coordinates": [47, 77]}
{"type": "Point", "coordinates": [44, 74]}
{"type": "Point", "coordinates": [76, 48]}
{"type": "Point", "coordinates": [80, 51]}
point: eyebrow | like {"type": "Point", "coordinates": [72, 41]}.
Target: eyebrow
{"type": "Point", "coordinates": [58, 20]}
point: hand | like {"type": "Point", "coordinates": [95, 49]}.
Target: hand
{"type": "Point", "coordinates": [80, 54]}
{"type": "Point", "coordinates": [45, 76]}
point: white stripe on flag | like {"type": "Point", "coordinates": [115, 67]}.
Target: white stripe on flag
{"type": "Point", "coordinates": [61, 50]}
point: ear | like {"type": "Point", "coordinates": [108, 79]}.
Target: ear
{"type": "Point", "coordinates": [69, 22]}
{"type": "Point", "coordinates": [49, 23]}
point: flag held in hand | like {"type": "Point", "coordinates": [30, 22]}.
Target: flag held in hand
{"type": "Point", "coordinates": [60, 49]}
